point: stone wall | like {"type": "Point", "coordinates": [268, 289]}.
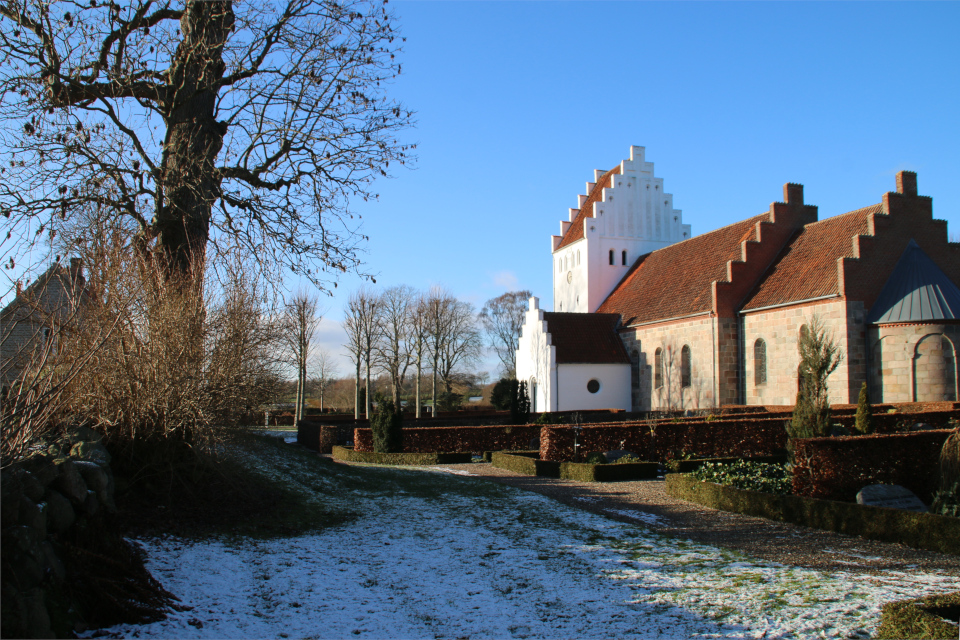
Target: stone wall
{"type": "Point", "coordinates": [44, 496]}
{"type": "Point", "coordinates": [779, 329]}
{"type": "Point", "coordinates": [700, 335]}
{"type": "Point", "coordinates": [914, 362]}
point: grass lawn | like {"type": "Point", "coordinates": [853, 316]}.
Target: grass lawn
{"type": "Point", "coordinates": [418, 553]}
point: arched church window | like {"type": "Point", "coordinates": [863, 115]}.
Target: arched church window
{"type": "Point", "coordinates": [685, 366]}
{"type": "Point", "coordinates": [759, 362]}
{"type": "Point", "coordinates": [635, 369]}
{"type": "Point", "coordinates": [578, 257]}
{"type": "Point", "coordinates": [658, 368]}
{"type": "Point", "coordinates": [611, 256]}
{"type": "Point", "coordinates": [623, 258]}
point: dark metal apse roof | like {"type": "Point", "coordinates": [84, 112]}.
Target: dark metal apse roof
{"type": "Point", "coordinates": [917, 290]}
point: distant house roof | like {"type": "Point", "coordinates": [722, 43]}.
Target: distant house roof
{"type": "Point", "coordinates": [807, 266]}
{"type": "Point", "coordinates": [575, 230]}
{"type": "Point", "coordinates": [917, 291]}
{"type": "Point", "coordinates": [676, 280]}
{"type": "Point", "coordinates": [71, 278]}
{"type": "Point", "coordinates": [586, 338]}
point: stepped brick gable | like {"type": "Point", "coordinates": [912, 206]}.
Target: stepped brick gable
{"type": "Point", "coordinates": [715, 318]}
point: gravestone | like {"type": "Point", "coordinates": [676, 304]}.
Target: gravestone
{"type": "Point", "coordinates": [891, 496]}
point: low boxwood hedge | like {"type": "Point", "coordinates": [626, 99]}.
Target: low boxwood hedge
{"type": "Point", "coordinates": [608, 472]}
{"type": "Point", "coordinates": [347, 454]}
{"type": "Point", "coordinates": [524, 462]}
{"type": "Point", "coordinates": [929, 617]}
{"type": "Point", "coordinates": [686, 466]}
{"type": "Point", "coordinates": [527, 463]}
{"type": "Point", "coordinates": [918, 530]}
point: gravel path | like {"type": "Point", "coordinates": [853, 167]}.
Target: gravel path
{"type": "Point", "coordinates": [646, 502]}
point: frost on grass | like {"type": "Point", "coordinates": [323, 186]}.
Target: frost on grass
{"type": "Point", "coordinates": [440, 556]}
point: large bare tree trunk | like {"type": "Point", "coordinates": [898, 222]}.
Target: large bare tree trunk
{"type": "Point", "coordinates": [194, 137]}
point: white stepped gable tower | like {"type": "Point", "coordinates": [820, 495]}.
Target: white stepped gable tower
{"type": "Point", "coordinates": [624, 215]}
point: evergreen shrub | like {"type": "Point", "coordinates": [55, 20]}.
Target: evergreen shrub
{"type": "Point", "coordinates": [387, 427]}
{"type": "Point", "coordinates": [751, 476]}
{"type": "Point", "coordinates": [819, 357]}
{"type": "Point", "coordinates": [500, 394]}
{"type": "Point", "coordinates": [864, 418]}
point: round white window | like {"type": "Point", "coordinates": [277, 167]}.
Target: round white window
{"type": "Point", "coordinates": [593, 386]}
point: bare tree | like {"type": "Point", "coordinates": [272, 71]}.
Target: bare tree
{"type": "Point", "coordinates": [325, 372]}
{"type": "Point", "coordinates": [419, 340]}
{"type": "Point", "coordinates": [300, 322]}
{"type": "Point", "coordinates": [453, 335]}
{"type": "Point", "coordinates": [502, 317]}
{"type": "Point", "coordinates": [393, 349]}
{"type": "Point", "coordinates": [362, 325]}
{"type": "Point", "coordinates": [202, 123]}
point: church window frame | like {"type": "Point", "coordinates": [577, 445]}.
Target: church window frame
{"type": "Point", "coordinates": [623, 257]}
{"type": "Point", "coordinates": [759, 362]}
{"type": "Point", "coordinates": [635, 368]}
{"type": "Point", "coordinates": [611, 257]}
{"type": "Point", "coordinates": [578, 257]}
{"type": "Point", "coordinates": [685, 367]}
{"type": "Point", "coordinates": [658, 368]}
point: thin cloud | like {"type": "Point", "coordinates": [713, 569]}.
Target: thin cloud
{"type": "Point", "coordinates": [506, 279]}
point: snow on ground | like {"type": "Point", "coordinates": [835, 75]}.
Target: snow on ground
{"type": "Point", "coordinates": [441, 556]}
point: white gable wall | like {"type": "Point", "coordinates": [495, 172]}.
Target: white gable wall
{"type": "Point", "coordinates": [563, 387]}
{"type": "Point", "coordinates": [614, 390]}
{"type": "Point", "coordinates": [537, 359]}
{"type": "Point", "coordinates": [634, 215]}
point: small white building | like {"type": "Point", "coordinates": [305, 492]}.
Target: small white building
{"type": "Point", "coordinates": [573, 361]}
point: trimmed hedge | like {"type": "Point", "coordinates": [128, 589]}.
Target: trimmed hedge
{"type": "Point", "coordinates": [686, 466]}
{"type": "Point", "coordinates": [837, 468]}
{"type": "Point", "coordinates": [347, 454]}
{"type": "Point", "coordinates": [919, 530]}
{"type": "Point", "coordinates": [609, 472]}
{"type": "Point", "coordinates": [658, 441]}
{"type": "Point", "coordinates": [523, 462]}
{"type": "Point", "coordinates": [430, 439]}
{"type": "Point", "coordinates": [316, 437]}
{"type": "Point", "coordinates": [527, 463]}
{"type": "Point", "coordinates": [921, 618]}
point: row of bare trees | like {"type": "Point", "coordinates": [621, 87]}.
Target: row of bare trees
{"type": "Point", "coordinates": [400, 329]}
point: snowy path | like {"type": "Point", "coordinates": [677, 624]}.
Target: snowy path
{"type": "Point", "coordinates": [436, 556]}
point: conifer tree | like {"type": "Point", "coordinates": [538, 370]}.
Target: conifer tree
{"type": "Point", "coordinates": [864, 420]}
{"type": "Point", "coordinates": [819, 357]}
{"type": "Point", "coordinates": [387, 427]}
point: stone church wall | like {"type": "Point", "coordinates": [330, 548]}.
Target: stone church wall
{"type": "Point", "coordinates": [780, 329]}
{"type": "Point", "coordinates": [699, 334]}
{"type": "Point", "coordinates": [914, 362]}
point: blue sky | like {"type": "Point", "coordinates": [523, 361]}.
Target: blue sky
{"type": "Point", "coordinates": [517, 103]}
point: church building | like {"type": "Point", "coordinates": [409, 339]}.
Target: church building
{"type": "Point", "coordinates": [649, 317]}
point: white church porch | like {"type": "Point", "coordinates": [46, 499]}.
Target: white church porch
{"type": "Point", "coordinates": [573, 361]}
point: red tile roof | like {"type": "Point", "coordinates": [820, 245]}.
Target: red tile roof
{"type": "Point", "coordinates": [575, 230]}
{"type": "Point", "coordinates": [676, 280]}
{"type": "Point", "coordinates": [807, 266]}
{"type": "Point", "coordinates": [586, 338]}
